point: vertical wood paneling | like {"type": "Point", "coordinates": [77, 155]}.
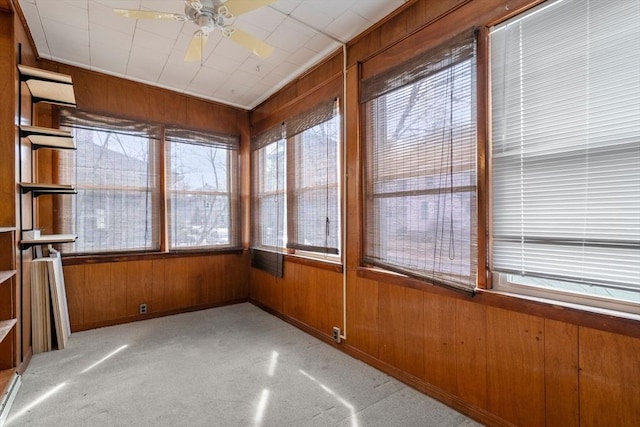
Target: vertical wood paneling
{"type": "Point", "coordinates": [440, 342]}
{"type": "Point", "coordinates": [312, 296]}
{"type": "Point", "coordinates": [266, 290]}
{"type": "Point", "coordinates": [391, 324]}
{"type": "Point", "coordinates": [238, 272]}
{"type": "Point", "coordinates": [118, 290]}
{"type": "Point", "coordinates": [290, 297]}
{"type": "Point", "coordinates": [395, 29]}
{"type": "Point", "coordinates": [333, 306]}
{"type": "Point", "coordinates": [414, 332]}
{"type": "Point", "coordinates": [609, 379]}
{"type": "Point", "coordinates": [410, 19]}
{"type": "Point", "coordinates": [96, 293]}
{"type": "Point", "coordinates": [118, 97]}
{"type": "Point", "coordinates": [105, 293]}
{"type": "Point", "coordinates": [211, 280]}
{"type": "Point", "coordinates": [91, 90]}
{"type": "Point", "coordinates": [158, 297]}
{"type": "Point", "coordinates": [177, 289]}
{"type": "Point", "coordinates": [139, 288]}
{"type": "Point", "coordinates": [362, 314]}
{"type": "Point", "coordinates": [318, 298]}
{"type": "Point", "coordinates": [158, 111]}
{"type": "Point", "coordinates": [195, 278]}
{"type": "Point", "coordinates": [119, 100]}
{"type": "Point", "coordinates": [471, 352]}
{"type": "Point", "coordinates": [515, 367]}
{"type": "Point", "coordinates": [561, 373]}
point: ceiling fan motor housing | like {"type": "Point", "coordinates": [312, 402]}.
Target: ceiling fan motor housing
{"type": "Point", "coordinates": [206, 16]}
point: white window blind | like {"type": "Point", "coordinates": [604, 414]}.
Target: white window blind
{"type": "Point", "coordinates": [565, 80]}
{"type": "Point", "coordinates": [420, 167]}
{"type": "Point", "coordinates": [269, 189]}
{"type": "Point", "coordinates": [203, 196]}
{"type": "Point", "coordinates": [115, 170]}
{"type": "Point", "coordinates": [313, 192]}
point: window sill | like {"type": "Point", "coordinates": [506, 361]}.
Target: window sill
{"type": "Point", "coordinates": [139, 256]}
{"type": "Point", "coordinates": [585, 316]}
{"type": "Point", "coordinates": [399, 279]}
{"type": "Point", "coordinates": [315, 262]}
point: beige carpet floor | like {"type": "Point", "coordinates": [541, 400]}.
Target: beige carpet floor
{"type": "Point", "coordinates": [228, 366]}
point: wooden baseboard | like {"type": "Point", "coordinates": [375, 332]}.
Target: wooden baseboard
{"type": "Point", "coordinates": [25, 362]}
{"type": "Point", "coordinates": [454, 402]}
{"type": "Point", "coordinates": [295, 322]}
{"type": "Point", "coordinates": [138, 317]}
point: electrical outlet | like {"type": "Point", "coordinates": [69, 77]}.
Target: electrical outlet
{"type": "Point", "coordinates": [143, 308]}
{"type": "Point", "coordinates": [336, 334]}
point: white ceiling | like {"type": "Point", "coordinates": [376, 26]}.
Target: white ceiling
{"type": "Point", "coordinates": [87, 33]}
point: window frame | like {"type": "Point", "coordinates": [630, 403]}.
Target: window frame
{"type": "Point", "coordinates": [286, 133]}
{"type": "Point", "coordinates": [501, 283]}
{"type": "Point", "coordinates": [160, 227]}
{"type": "Point", "coordinates": [231, 145]}
{"type": "Point", "coordinates": [369, 267]}
{"type": "Point", "coordinates": [259, 145]}
{"type": "Point", "coordinates": [325, 115]}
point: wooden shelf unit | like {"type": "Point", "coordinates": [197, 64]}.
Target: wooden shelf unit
{"type": "Point", "coordinates": [54, 88]}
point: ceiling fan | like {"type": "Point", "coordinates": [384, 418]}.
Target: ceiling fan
{"type": "Point", "coordinates": [209, 15]}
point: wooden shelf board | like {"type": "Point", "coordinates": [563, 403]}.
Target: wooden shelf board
{"type": "Point", "coordinates": [5, 327]}
{"type": "Point", "coordinates": [52, 93]}
{"type": "Point", "coordinates": [47, 86]}
{"type": "Point", "coordinates": [6, 275]}
{"type": "Point", "coordinates": [47, 239]}
{"type": "Point", "coordinates": [42, 189]}
{"type": "Point", "coordinates": [6, 376]}
{"type": "Point", "coordinates": [7, 229]}
{"type": "Point", "coordinates": [27, 72]}
{"type": "Point", "coordinates": [41, 137]}
{"type": "Point", "coordinates": [55, 142]}
{"type": "Point", "coordinates": [26, 130]}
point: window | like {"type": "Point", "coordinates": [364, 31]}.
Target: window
{"type": "Point", "coordinates": [202, 188]}
{"type": "Point", "coordinates": [313, 192]}
{"type": "Point", "coordinates": [269, 190]}
{"type": "Point", "coordinates": [119, 205]}
{"type": "Point", "coordinates": [420, 166]}
{"type": "Point", "coordinates": [115, 169]}
{"type": "Point", "coordinates": [566, 153]}
{"type": "Point", "coordinates": [296, 184]}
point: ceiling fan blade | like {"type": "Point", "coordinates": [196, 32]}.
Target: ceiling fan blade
{"type": "Point", "coordinates": [249, 42]}
{"type": "Point", "coordinates": [147, 14]}
{"type": "Point", "coordinates": [196, 46]}
{"type": "Point", "coordinates": [238, 7]}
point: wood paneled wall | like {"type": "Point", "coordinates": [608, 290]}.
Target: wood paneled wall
{"type": "Point", "coordinates": [101, 93]}
{"type": "Point", "coordinates": [107, 293]}
{"type": "Point", "coordinates": [501, 361]}
{"type": "Point", "coordinates": [308, 295]}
